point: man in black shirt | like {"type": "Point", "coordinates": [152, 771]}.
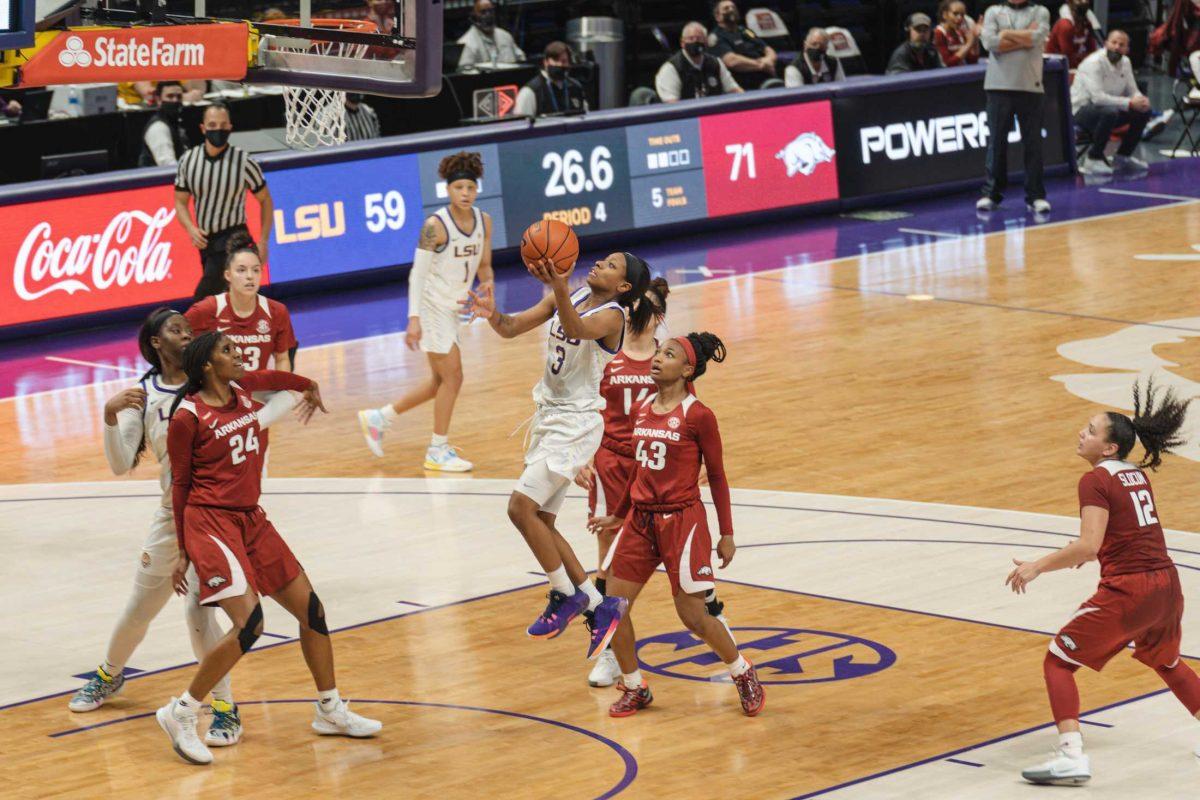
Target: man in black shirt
{"type": "Point", "coordinates": [918, 53]}
{"type": "Point", "coordinates": [163, 138]}
{"type": "Point", "coordinates": [750, 59]}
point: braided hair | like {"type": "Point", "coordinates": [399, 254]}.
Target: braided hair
{"type": "Point", "coordinates": [639, 321]}
{"type": "Point", "coordinates": [151, 327]}
{"type": "Point", "coordinates": [1156, 422]}
{"type": "Point", "coordinates": [708, 347]}
{"type": "Point", "coordinates": [195, 358]}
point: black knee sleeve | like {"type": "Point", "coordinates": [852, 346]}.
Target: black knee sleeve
{"type": "Point", "coordinates": [316, 614]}
{"type": "Point", "coordinates": [249, 634]}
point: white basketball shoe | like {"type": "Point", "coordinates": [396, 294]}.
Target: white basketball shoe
{"type": "Point", "coordinates": [341, 721]}
{"type": "Point", "coordinates": [373, 425]}
{"type": "Point", "coordinates": [179, 723]}
{"type": "Point", "coordinates": [606, 671]}
{"type": "Point", "coordinates": [1061, 770]}
{"type": "Point", "coordinates": [444, 458]}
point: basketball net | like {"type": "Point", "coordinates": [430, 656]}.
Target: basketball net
{"type": "Point", "coordinates": [317, 117]}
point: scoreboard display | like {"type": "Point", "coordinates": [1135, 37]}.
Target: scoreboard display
{"type": "Point", "coordinates": [16, 23]}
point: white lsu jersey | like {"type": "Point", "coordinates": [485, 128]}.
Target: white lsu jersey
{"type": "Point", "coordinates": [150, 422]}
{"type": "Point", "coordinates": [454, 266]}
{"type": "Point", "coordinates": [574, 367]}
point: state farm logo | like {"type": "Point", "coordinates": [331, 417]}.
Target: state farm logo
{"type": "Point", "coordinates": [803, 154]}
{"type": "Point", "coordinates": [111, 52]}
{"type": "Point", "coordinates": [129, 250]}
{"type": "Point", "coordinates": [74, 55]}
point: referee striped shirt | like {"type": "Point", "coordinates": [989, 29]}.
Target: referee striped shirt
{"type": "Point", "coordinates": [219, 185]}
{"type": "Point", "coordinates": [362, 124]}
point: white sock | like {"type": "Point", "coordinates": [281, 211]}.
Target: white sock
{"type": "Point", "coordinates": [559, 581]}
{"type": "Point", "coordinates": [329, 700]}
{"type": "Point", "coordinates": [188, 704]}
{"type": "Point", "coordinates": [738, 668]}
{"type": "Point", "coordinates": [389, 414]}
{"type": "Point", "coordinates": [594, 596]}
{"type": "Point", "coordinates": [225, 695]}
{"type": "Point", "coordinates": [1071, 743]}
{"type": "Point", "coordinates": [710, 596]}
{"type": "Point", "coordinates": [438, 441]}
{"type": "Point", "coordinates": [633, 680]}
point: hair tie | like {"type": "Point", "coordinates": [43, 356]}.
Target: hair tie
{"type": "Point", "coordinates": [688, 349]}
{"type": "Point", "coordinates": [462, 175]}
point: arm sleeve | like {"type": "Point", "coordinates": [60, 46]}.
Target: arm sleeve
{"type": "Point", "coordinates": [422, 262]}
{"type": "Point", "coordinates": [180, 436]}
{"type": "Point", "coordinates": [1042, 32]}
{"type": "Point", "coordinates": [626, 501]}
{"type": "Point", "coordinates": [199, 316]}
{"type": "Point", "coordinates": [1057, 43]}
{"type": "Point", "coordinates": [285, 337]}
{"type": "Point", "coordinates": [991, 30]}
{"type": "Point", "coordinates": [158, 140]}
{"type": "Point", "coordinates": [727, 81]}
{"type": "Point", "coordinates": [272, 380]}
{"type": "Point", "coordinates": [667, 83]}
{"type": "Point", "coordinates": [275, 408]}
{"type": "Point", "coordinates": [719, 46]}
{"type": "Point", "coordinates": [254, 176]}
{"type": "Point", "coordinates": [714, 461]}
{"type": "Point", "coordinates": [121, 441]}
{"type": "Point", "coordinates": [1092, 492]}
{"type": "Point", "coordinates": [1131, 87]}
{"type": "Point", "coordinates": [944, 50]}
{"type": "Point", "coordinates": [526, 102]}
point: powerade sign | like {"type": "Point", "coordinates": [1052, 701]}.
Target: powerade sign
{"type": "Point", "coordinates": [922, 137]}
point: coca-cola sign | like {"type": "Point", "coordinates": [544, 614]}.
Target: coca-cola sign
{"type": "Point", "coordinates": [94, 253]}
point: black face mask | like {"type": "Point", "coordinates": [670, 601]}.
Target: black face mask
{"type": "Point", "coordinates": [171, 109]}
{"type": "Point", "coordinates": [694, 49]}
{"type": "Point", "coordinates": [1114, 56]}
{"type": "Point", "coordinates": [729, 17]}
{"type": "Point", "coordinates": [486, 22]}
{"type": "Point", "coordinates": [814, 53]}
{"type": "Point", "coordinates": [217, 137]}
{"type": "Point", "coordinates": [557, 73]}
{"type": "Point", "coordinates": [354, 97]}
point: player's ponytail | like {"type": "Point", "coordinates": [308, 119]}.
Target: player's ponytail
{"type": "Point", "coordinates": [195, 358]}
{"type": "Point", "coordinates": [708, 347]}
{"type": "Point", "coordinates": [647, 312]}
{"type": "Point", "coordinates": [637, 275]}
{"type": "Point", "coordinates": [1156, 423]}
{"type": "Point", "coordinates": [151, 327]}
{"type": "Point", "coordinates": [239, 242]}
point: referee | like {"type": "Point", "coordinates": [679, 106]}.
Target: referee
{"type": "Point", "coordinates": [361, 120]}
{"type": "Point", "coordinates": [217, 175]}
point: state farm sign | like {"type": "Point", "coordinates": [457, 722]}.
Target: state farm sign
{"type": "Point", "coordinates": [93, 253]}
{"type": "Point", "coordinates": [107, 55]}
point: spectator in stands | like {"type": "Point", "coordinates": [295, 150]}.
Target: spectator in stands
{"type": "Point", "coordinates": [1179, 37]}
{"type": "Point", "coordinates": [814, 65]}
{"type": "Point", "coordinates": [1073, 35]}
{"type": "Point", "coordinates": [692, 72]}
{"type": "Point", "coordinates": [273, 14]}
{"type": "Point", "coordinates": [750, 59]}
{"type": "Point", "coordinates": [163, 138]}
{"type": "Point", "coordinates": [1105, 96]}
{"type": "Point", "coordinates": [383, 14]}
{"type": "Point", "coordinates": [361, 120]}
{"type": "Point", "coordinates": [1015, 35]}
{"type": "Point", "coordinates": [138, 93]}
{"type": "Point", "coordinates": [957, 35]}
{"type": "Point", "coordinates": [918, 53]}
{"type": "Point", "coordinates": [484, 42]}
{"type": "Point", "coordinates": [552, 91]}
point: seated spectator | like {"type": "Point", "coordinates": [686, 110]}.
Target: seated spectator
{"type": "Point", "coordinates": [1105, 96]}
{"type": "Point", "coordinates": [749, 58]}
{"type": "Point", "coordinates": [1073, 35]}
{"type": "Point", "coordinates": [1179, 37]}
{"type": "Point", "coordinates": [164, 139]}
{"type": "Point", "coordinates": [141, 93]}
{"type": "Point", "coordinates": [917, 53]}
{"type": "Point", "coordinates": [692, 72]}
{"type": "Point", "coordinates": [957, 36]}
{"type": "Point", "coordinates": [814, 65]}
{"type": "Point", "coordinates": [484, 43]}
{"type": "Point", "coordinates": [552, 91]}
{"type": "Point", "coordinates": [383, 14]}
{"type": "Point", "coordinates": [361, 120]}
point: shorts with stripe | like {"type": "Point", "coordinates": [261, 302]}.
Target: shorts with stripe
{"type": "Point", "coordinates": [612, 476]}
{"type": "Point", "coordinates": [677, 539]}
{"type": "Point", "coordinates": [235, 551]}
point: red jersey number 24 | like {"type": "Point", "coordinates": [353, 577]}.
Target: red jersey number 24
{"type": "Point", "coordinates": [239, 446]}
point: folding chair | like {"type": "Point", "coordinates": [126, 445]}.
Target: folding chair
{"type": "Point", "coordinates": [1185, 93]}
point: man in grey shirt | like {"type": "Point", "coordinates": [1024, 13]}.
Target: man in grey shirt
{"type": "Point", "coordinates": [1015, 35]}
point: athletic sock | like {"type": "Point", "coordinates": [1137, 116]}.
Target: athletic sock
{"type": "Point", "coordinates": [389, 414]}
{"type": "Point", "coordinates": [110, 671]}
{"type": "Point", "coordinates": [438, 441]}
{"type": "Point", "coordinates": [710, 596]}
{"type": "Point", "coordinates": [188, 703]}
{"type": "Point", "coordinates": [633, 680]}
{"type": "Point", "coordinates": [328, 700]}
{"type": "Point", "coordinates": [224, 695]}
{"type": "Point", "coordinates": [594, 597]}
{"type": "Point", "coordinates": [601, 586]}
{"type": "Point", "coordinates": [738, 668]}
{"type": "Point", "coordinates": [1071, 743]}
{"type": "Point", "coordinates": [559, 581]}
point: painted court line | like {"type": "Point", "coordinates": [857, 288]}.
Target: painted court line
{"type": "Point", "coordinates": [1154, 195]}
{"type": "Point", "coordinates": [95, 364]}
{"type": "Point", "coordinates": [921, 232]}
{"type": "Point", "coordinates": [965, 763]}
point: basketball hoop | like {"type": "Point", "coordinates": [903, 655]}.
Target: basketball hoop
{"type": "Point", "coordinates": [317, 117]}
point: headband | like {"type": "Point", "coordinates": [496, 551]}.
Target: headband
{"type": "Point", "coordinates": [688, 349]}
{"type": "Point", "coordinates": [462, 175]}
{"type": "Point", "coordinates": [634, 264]}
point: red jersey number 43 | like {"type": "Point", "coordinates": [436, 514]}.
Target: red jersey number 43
{"type": "Point", "coordinates": [651, 455]}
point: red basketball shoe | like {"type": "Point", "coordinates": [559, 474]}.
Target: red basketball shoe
{"type": "Point", "coordinates": [632, 700]}
{"type": "Point", "coordinates": [750, 692]}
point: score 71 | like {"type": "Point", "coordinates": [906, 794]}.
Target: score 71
{"type": "Point", "coordinates": [743, 150]}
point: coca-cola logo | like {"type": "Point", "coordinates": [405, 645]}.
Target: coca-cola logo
{"type": "Point", "coordinates": [118, 255]}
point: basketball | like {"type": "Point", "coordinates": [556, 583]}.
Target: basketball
{"type": "Point", "coordinates": [549, 238]}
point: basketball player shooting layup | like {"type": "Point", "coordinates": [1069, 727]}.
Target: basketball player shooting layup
{"type": "Point", "coordinates": [587, 328]}
{"type": "Point", "coordinates": [455, 244]}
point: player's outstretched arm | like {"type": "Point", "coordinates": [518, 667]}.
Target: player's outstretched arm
{"type": "Point", "coordinates": [1093, 523]}
{"type": "Point", "coordinates": [482, 305]}
{"type": "Point", "coordinates": [604, 325]}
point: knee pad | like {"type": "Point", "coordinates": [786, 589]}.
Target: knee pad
{"type": "Point", "coordinates": [316, 614]}
{"type": "Point", "coordinates": [249, 634]}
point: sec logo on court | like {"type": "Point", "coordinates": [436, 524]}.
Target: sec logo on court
{"type": "Point", "coordinates": [781, 655]}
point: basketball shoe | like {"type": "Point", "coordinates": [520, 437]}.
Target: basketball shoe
{"type": "Point", "coordinates": [373, 426]}
{"type": "Point", "coordinates": [750, 692]}
{"type": "Point", "coordinates": [444, 458]}
{"type": "Point", "coordinates": [603, 621]}
{"type": "Point", "coordinates": [96, 691]}
{"type": "Point", "coordinates": [1061, 770]}
{"type": "Point", "coordinates": [632, 700]}
{"type": "Point", "coordinates": [341, 721]}
{"type": "Point", "coordinates": [179, 724]}
{"type": "Point", "coordinates": [226, 727]}
{"type": "Point", "coordinates": [558, 614]}
{"type": "Point", "coordinates": [606, 671]}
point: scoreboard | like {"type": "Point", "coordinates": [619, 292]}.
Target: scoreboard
{"type": "Point", "coordinates": [16, 23]}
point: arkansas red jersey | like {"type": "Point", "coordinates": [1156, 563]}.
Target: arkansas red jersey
{"type": "Point", "coordinates": [625, 385]}
{"type": "Point", "coordinates": [216, 454]}
{"type": "Point", "coordinates": [1133, 540]}
{"type": "Point", "coordinates": [669, 449]}
{"type": "Point", "coordinates": [262, 334]}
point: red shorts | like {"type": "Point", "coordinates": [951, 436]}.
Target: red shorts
{"type": "Point", "coordinates": [234, 551]}
{"type": "Point", "coordinates": [612, 475]}
{"type": "Point", "coordinates": [678, 540]}
{"type": "Point", "coordinates": [1145, 608]}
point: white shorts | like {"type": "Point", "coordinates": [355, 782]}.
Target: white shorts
{"type": "Point", "coordinates": [546, 488]}
{"type": "Point", "coordinates": [565, 440]}
{"type": "Point", "coordinates": [160, 551]}
{"type": "Point", "coordinates": [439, 328]}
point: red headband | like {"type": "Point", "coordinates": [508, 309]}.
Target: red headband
{"type": "Point", "coordinates": [688, 350]}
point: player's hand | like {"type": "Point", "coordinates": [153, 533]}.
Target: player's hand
{"type": "Point", "coordinates": [412, 336]}
{"type": "Point", "coordinates": [262, 250]}
{"type": "Point", "coordinates": [481, 305]}
{"type": "Point", "coordinates": [310, 402]}
{"type": "Point", "coordinates": [129, 398]}
{"type": "Point", "coordinates": [179, 575]}
{"type": "Point", "coordinates": [199, 239]}
{"type": "Point", "coordinates": [586, 478]}
{"type": "Point", "coordinates": [597, 524]}
{"type": "Point", "coordinates": [725, 550]}
{"type": "Point", "coordinates": [1022, 576]}
{"type": "Point", "coordinates": [542, 269]}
